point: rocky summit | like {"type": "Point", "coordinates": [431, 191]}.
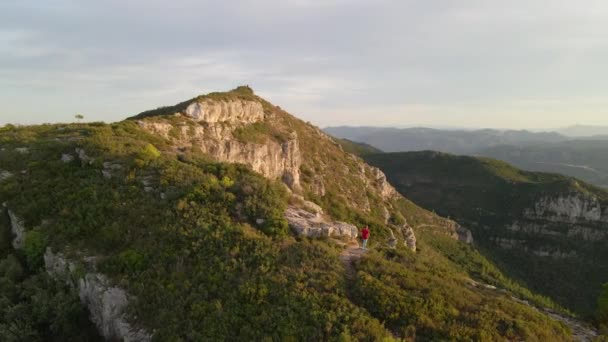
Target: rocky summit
{"type": "Point", "coordinates": [226, 218]}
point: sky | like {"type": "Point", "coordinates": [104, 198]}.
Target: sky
{"type": "Point", "coordinates": [527, 64]}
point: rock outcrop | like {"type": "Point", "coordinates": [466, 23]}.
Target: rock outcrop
{"type": "Point", "coordinates": [305, 223]}
{"type": "Point", "coordinates": [464, 234]}
{"type": "Point", "coordinates": [571, 208]}
{"type": "Point", "coordinates": [274, 159]}
{"type": "Point", "coordinates": [409, 236]}
{"type": "Point", "coordinates": [105, 302]}
{"type": "Point", "coordinates": [384, 188]}
{"type": "Point", "coordinates": [231, 111]}
{"type": "Point", "coordinates": [4, 175]}
{"type": "Point", "coordinates": [18, 230]}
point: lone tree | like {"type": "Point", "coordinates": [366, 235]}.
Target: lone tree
{"type": "Point", "coordinates": [79, 117]}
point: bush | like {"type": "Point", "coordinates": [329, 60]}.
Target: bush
{"type": "Point", "coordinates": [34, 248]}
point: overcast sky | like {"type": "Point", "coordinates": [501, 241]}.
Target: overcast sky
{"type": "Point", "coordinates": [503, 64]}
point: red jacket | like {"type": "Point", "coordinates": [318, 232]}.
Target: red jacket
{"type": "Point", "coordinates": [365, 233]}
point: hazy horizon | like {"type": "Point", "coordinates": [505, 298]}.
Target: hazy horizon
{"type": "Point", "coordinates": [469, 65]}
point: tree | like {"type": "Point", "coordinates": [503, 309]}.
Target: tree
{"type": "Point", "coordinates": [79, 117]}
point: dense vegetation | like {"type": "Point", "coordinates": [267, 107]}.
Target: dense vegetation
{"type": "Point", "coordinates": [205, 253]}
{"type": "Point", "coordinates": [488, 196]}
{"type": "Point", "coordinates": [33, 306]}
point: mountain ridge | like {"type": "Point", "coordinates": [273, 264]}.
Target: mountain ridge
{"type": "Point", "coordinates": [170, 209]}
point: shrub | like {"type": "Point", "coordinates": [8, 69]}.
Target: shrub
{"type": "Point", "coordinates": [34, 248]}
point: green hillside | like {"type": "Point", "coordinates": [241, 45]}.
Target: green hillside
{"type": "Point", "coordinates": [357, 148]}
{"type": "Point", "coordinates": [205, 253]}
{"type": "Point", "coordinates": [492, 198]}
{"type": "Point", "coordinates": [583, 159]}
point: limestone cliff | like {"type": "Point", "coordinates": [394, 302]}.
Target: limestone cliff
{"type": "Point", "coordinates": [239, 127]}
{"type": "Point", "coordinates": [573, 208]}
{"type": "Point", "coordinates": [273, 159]}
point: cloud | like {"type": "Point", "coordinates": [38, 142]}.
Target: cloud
{"type": "Point", "coordinates": [396, 62]}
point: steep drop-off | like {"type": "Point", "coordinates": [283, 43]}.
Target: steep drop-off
{"type": "Point", "coordinates": [549, 230]}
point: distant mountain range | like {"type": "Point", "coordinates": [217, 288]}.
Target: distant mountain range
{"type": "Point", "coordinates": [450, 141]}
{"type": "Point", "coordinates": [584, 156]}
{"type": "Point", "coordinates": [584, 131]}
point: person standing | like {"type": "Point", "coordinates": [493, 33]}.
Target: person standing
{"type": "Point", "coordinates": [365, 236]}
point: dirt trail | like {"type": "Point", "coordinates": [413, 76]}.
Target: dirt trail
{"type": "Point", "coordinates": [350, 254]}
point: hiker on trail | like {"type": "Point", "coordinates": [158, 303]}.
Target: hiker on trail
{"type": "Point", "coordinates": [365, 236]}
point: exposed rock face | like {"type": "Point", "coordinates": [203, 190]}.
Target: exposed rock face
{"type": "Point", "coordinates": [4, 175]}
{"type": "Point", "coordinates": [233, 111]}
{"type": "Point", "coordinates": [569, 208]}
{"type": "Point", "coordinates": [314, 225]}
{"type": "Point", "coordinates": [464, 234]}
{"type": "Point", "coordinates": [273, 159]}
{"type": "Point", "coordinates": [409, 236]}
{"type": "Point", "coordinates": [82, 155]}
{"type": "Point", "coordinates": [18, 230]}
{"type": "Point", "coordinates": [386, 190]}
{"type": "Point", "coordinates": [106, 303]}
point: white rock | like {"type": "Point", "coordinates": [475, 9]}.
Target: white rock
{"type": "Point", "coordinates": [305, 223]}
{"type": "Point", "coordinates": [22, 150]}
{"type": "Point", "coordinates": [18, 230]}
{"type": "Point", "coordinates": [273, 159]}
{"type": "Point", "coordinates": [233, 111]}
{"type": "Point", "coordinates": [4, 175]}
{"type": "Point", "coordinates": [570, 208]}
{"type": "Point", "coordinates": [66, 158]}
{"type": "Point", "coordinates": [82, 155]}
{"type": "Point", "coordinates": [464, 234]}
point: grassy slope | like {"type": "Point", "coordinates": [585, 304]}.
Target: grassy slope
{"type": "Point", "coordinates": [484, 195]}
{"type": "Point", "coordinates": [357, 148]}
{"type": "Point", "coordinates": [199, 268]}
{"type": "Point", "coordinates": [584, 159]}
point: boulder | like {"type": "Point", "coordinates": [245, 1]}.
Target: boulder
{"type": "Point", "coordinates": [305, 223]}
{"type": "Point", "coordinates": [66, 157]}
{"type": "Point", "coordinates": [4, 175]}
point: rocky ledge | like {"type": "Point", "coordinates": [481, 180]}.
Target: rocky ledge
{"type": "Point", "coordinates": [232, 111]}
{"type": "Point", "coordinates": [305, 223]}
